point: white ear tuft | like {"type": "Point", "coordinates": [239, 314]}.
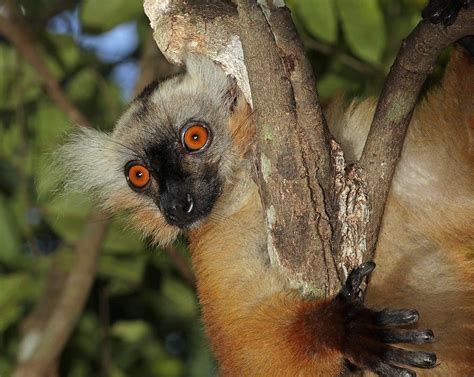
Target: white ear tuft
{"type": "Point", "coordinates": [212, 79]}
{"type": "Point", "coordinates": [90, 161]}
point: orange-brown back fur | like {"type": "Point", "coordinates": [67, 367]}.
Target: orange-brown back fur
{"type": "Point", "coordinates": [425, 251]}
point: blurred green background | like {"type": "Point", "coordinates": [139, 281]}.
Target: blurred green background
{"type": "Point", "coordinates": [142, 316]}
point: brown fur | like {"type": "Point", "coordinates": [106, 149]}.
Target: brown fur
{"type": "Point", "coordinates": [255, 325]}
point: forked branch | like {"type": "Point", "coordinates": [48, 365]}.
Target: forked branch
{"type": "Point", "coordinates": [322, 216]}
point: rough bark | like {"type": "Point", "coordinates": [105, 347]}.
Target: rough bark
{"type": "Point", "coordinates": [293, 154]}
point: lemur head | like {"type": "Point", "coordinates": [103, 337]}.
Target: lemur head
{"type": "Point", "coordinates": [172, 154]}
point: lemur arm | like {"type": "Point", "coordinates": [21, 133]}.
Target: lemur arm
{"type": "Point", "coordinates": [259, 327]}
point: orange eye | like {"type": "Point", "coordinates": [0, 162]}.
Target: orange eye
{"type": "Point", "coordinates": [195, 137]}
{"type": "Point", "coordinates": [137, 175]}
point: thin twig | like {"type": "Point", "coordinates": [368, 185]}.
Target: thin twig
{"type": "Point", "coordinates": [182, 265]}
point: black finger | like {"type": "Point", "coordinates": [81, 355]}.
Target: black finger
{"type": "Point", "coordinates": [407, 336]}
{"type": "Point", "coordinates": [384, 369]}
{"type": "Point", "coordinates": [396, 317]}
{"type": "Point", "coordinates": [417, 359]}
{"type": "Point", "coordinates": [433, 10]}
{"type": "Point", "coordinates": [450, 14]}
{"type": "Point", "coordinates": [350, 290]}
{"type": "Point", "coordinates": [355, 277]}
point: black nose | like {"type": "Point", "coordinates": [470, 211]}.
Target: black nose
{"type": "Point", "coordinates": [178, 209]}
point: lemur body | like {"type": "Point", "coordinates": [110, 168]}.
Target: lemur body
{"type": "Point", "coordinates": [178, 161]}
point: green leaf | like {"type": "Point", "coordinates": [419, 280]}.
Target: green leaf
{"type": "Point", "coordinates": [50, 125]}
{"type": "Point", "coordinates": [10, 239]}
{"type": "Point", "coordinates": [83, 85]}
{"type": "Point", "coordinates": [124, 273]}
{"type": "Point", "coordinates": [18, 80]}
{"type": "Point", "coordinates": [62, 55]}
{"type": "Point", "coordinates": [364, 28]}
{"type": "Point", "coordinates": [16, 288]}
{"type": "Point", "coordinates": [87, 338]}
{"type": "Point", "coordinates": [67, 215]}
{"type": "Point", "coordinates": [131, 331]}
{"type": "Point", "coordinates": [67, 49]}
{"type": "Point", "coordinates": [331, 83]}
{"type": "Point", "coordinates": [104, 15]}
{"type": "Point", "coordinates": [120, 240]}
{"type": "Point", "coordinates": [9, 315]}
{"type": "Point", "coordinates": [177, 298]}
{"type": "Point", "coordinates": [319, 18]}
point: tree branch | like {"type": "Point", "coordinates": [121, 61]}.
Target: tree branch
{"type": "Point", "coordinates": [415, 60]}
{"type": "Point", "coordinates": [293, 154]}
{"type": "Point", "coordinates": [70, 304]}
{"type": "Point", "coordinates": [17, 31]}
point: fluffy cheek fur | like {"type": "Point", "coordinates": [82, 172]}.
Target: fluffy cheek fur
{"type": "Point", "coordinates": [145, 217]}
{"type": "Point", "coordinates": [93, 162]}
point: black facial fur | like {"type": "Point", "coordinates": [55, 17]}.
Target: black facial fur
{"type": "Point", "coordinates": [153, 86]}
{"type": "Point", "coordinates": [186, 194]}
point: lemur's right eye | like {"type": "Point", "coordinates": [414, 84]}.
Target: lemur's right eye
{"type": "Point", "coordinates": [138, 176]}
{"type": "Point", "coordinates": [195, 137]}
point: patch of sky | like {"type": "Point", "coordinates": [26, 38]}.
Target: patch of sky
{"type": "Point", "coordinates": [112, 47]}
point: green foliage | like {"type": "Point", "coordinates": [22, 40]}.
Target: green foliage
{"type": "Point", "coordinates": [364, 29]}
{"type": "Point", "coordinates": [141, 318]}
{"type": "Point", "coordinates": [117, 11]}
{"type": "Point", "coordinates": [319, 17]}
{"type": "Point", "coordinates": [353, 42]}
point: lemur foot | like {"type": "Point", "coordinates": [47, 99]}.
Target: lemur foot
{"type": "Point", "coordinates": [369, 333]}
{"type": "Point", "coordinates": [443, 11]}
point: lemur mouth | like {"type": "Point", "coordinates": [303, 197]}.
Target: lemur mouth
{"type": "Point", "coordinates": [184, 211]}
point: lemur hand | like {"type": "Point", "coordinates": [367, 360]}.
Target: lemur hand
{"type": "Point", "coordinates": [443, 11]}
{"type": "Point", "coordinates": [368, 333]}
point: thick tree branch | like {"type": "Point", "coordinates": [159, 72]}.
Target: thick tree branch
{"type": "Point", "coordinates": [293, 154]}
{"type": "Point", "coordinates": [415, 60]}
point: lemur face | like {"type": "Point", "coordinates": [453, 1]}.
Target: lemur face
{"type": "Point", "coordinates": [171, 156]}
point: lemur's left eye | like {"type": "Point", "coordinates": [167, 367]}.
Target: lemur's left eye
{"type": "Point", "coordinates": [138, 176]}
{"type": "Point", "coordinates": [195, 137]}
